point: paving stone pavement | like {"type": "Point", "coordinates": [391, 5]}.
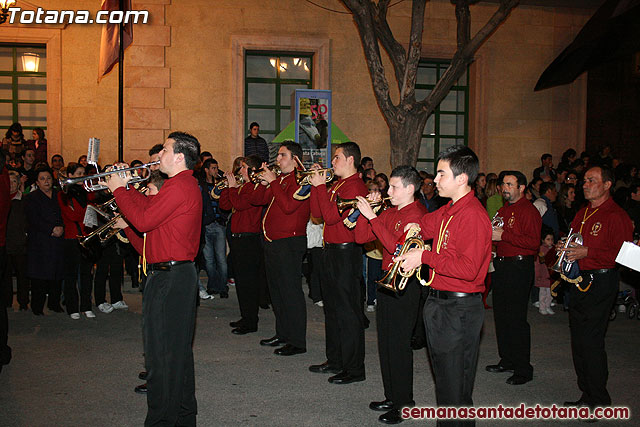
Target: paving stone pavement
{"type": "Point", "coordinates": [82, 372]}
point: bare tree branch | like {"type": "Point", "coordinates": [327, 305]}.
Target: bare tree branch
{"type": "Point", "coordinates": [389, 43]}
{"type": "Point", "coordinates": [463, 16]}
{"type": "Point", "coordinates": [464, 55]}
{"type": "Point", "coordinates": [408, 89]}
{"type": "Point", "coordinates": [363, 12]}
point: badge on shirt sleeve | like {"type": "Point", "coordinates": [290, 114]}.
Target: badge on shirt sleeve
{"type": "Point", "coordinates": [445, 239]}
{"type": "Point", "coordinates": [511, 221]}
{"type": "Point", "coordinates": [596, 229]}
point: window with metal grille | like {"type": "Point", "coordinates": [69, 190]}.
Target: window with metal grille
{"type": "Point", "coordinates": [23, 86]}
{"type": "Point", "coordinates": [449, 123]}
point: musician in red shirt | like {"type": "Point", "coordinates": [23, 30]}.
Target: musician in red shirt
{"type": "Point", "coordinates": [604, 226]}
{"type": "Point", "coordinates": [284, 227]}
{"type": "Point", "coordinates": [245, 244]}
{"type": "Point", "coordinates": [396, 313]}
{"type": "Point", "coordinates": [172, 220]}
{"type": "Point", "coordinates": [518, 242]}
{"type": "Point", "coordinates": [341, 269]}
{"type": "Point", "coordinates": [459, 261]}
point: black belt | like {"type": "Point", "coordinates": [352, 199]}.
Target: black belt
{"type": "Point", "coordinates": [601, 271]}
{"type": "Point", "coordinates": [449, 294]}
{"type": "Point", "coordinates": [244, 234]}
{"type": "Point", "coordinates": [340, 245]}
{"type": "Point", "coordinates": [515, 258]}
{"type": "Point", "coordinates": [165, 266]}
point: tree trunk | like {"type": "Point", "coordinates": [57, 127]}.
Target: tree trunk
{"type": "Point", "coordinates": [405, 137]}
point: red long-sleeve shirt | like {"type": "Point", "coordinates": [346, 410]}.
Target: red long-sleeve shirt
{"type": "Point", "coordinates": [522, 226]}
{"type": "Point", "coordinates": [323, 205]}
{"type": "Point", "coordinates": [465, 247]}
{"type": "Point", "coordinates": [172, 219]}
{"type": "Point", "coordinates": [605, 229]}
{"type": "Point", "coordinates": [73, 217]}
{"type": "Point", "coordinates": [246, 215]}
{"type": "Point", "coordinates": [388, 227]}
{"type": "Point", "coordinates": [285, 216]}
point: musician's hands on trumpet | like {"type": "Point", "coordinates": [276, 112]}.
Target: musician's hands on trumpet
{"type": "Point", "coordinates": [413, 258]}
{"type": "Point", "coordinates": [231, 179]}
{"type": "Point", "coordinates": [116, 180]}
{"type": "Point", "coordinates": [574, 252]}
{"type": "Point", "coordinates": [365, 208]}
{"type": "Point", "coordinates": [267, 175]}
{"type": "Point", "coordinates": [319, 177]}
{"type": "Point", "coordinates": [120, 224]}
{"type": "Point", "coordinates": [496, 234]}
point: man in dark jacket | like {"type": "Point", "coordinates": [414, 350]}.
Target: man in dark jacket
{"type": "Point", "coordinates": [254, 144]}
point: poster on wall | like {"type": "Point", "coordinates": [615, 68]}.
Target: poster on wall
{"type": "Point", "coordinates": [313, 125]}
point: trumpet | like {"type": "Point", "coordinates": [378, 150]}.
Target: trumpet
{"type": "Point", "coordinates": [222, 183]}
{"type": "Point", "coordinates": [104, 233]}
{"type": "Point", "coordinates": [563, 266]}
{"type": "Point", "coordinates": [412, 239]}
{"type": "Point", "coordinates": [344, 204]}
{"type": "Point", "coordinates": [90, 185]}
{"type": "Point", "coordinates": [497, 221]}
{"type": "Point", "coordinates": [255, 175]}
{"type": "Point", "coordinates": [303, 177]}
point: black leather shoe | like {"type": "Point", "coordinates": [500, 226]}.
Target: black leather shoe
{"type": "Point", "coordinates": [578, 403]}
{"type": "Point", "coordinates": [272, 342]}
{"type": "Point", "coordinates": [224, 294]}
{"type": "Point", "coordinates": [518, 380]}
{"type": "Point", "coordinates": [385, 405]}
{"type": "Point", "coordinates": [289, 350]}
{"type": "Point", "coordinates": [57, 309]}
{"type": "Point", "coordinates": [141, 389]}
{"type": "Point", "coordinates": [242, 330]}
{"type": "Point", "coordinates": [497, 368]}
{"type": "Point", "coordinates": [236, 323]}
{"type": "Point", "coordinates": [418, 342]}
{"type": "Point", "coordinates": [143, 375]}
{"type": "Point", "coordinates": [345, 378]}
{"type": "Point", "coordinates": [325, 368]}
{"type": "Point", "coordinates": [391, 417]}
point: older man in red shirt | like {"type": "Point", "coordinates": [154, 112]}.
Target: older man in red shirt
{"type": "Point", "coordinates": [459, 261]}
{"type": "Point", "coordinates": [172, 221]}
{"type": "Point", "coordinates": [604, 226]}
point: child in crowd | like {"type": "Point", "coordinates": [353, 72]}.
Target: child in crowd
{"type": "Point", "coordinates": [542, 272]}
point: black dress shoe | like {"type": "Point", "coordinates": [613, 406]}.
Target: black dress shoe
{"type": "Point", "coordinates": [265, 306]}
{"type": "Point", "coordinates": [578, 403]}
{"type": "Point", "coordinates": [236, 323]}
{"type": "Point", "coordinates": [418, 342]}
{"type": "Point", "coordinates": [224, 294]}
{"type": "Point", "coordinates": [385, 405]}
{"type": "Point", "coordinates": [242, 330]}
{"type": "Point", "coordinates": [272, 342]}
{"type": "Point", "coordinates": [57, 309]}
{"type": "Point", "coordinates": [289, 350]}
{"type": "Point", "coordinates": [141, 389]}
{"type": "Point", "coordinates": [345, 378]}
{"type": "Point", "coordinates": [391, 417]}
{"type": "Point", "coordinates": [143, 375]}
{"type": "Point", "coordinates": [325, 368]}
{"type": "Point", "coordinates": [518, 380]}
{"type": "Point", "coordinates": [497, 368]}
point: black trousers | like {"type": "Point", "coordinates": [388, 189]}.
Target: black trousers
{"type": "Point", "coordinates": [246, 261]}
{"type": "Point", "coordinates": [342, 296]}
{"type": "Point", "coordinates": [588, 321]}
{"type": "Point", "coordinates": [168, 321]}
{"type": "Point", "coordinates": [314, 260]}
{"type": "Point", "coordinates": [395, 316]}
{"type": "Point", "coordinates": [39, 291]}
{"type": "Point", "coordinates": [74, 265]}
{"type": "Point", "coordinates": [453, 338]}
{"type": "Point", "coordinates": [5, 350]}
{"type": "Point", "coordinates": [109, 265]}
{"type": "Point", "coordinates": [283, 265]}
{"type": "Point", "coordinates": [511, 284]}
{"type": "Point", "coordinates": [16, 263]}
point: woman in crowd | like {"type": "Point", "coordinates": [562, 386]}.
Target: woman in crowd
{"type": "Point", "coordinates": [73, 205]}
{"type": "Point", "coordinates": [480, 184]}
{"type": "Point", "coordinates": [566, 206]}
{"type": "Point", "coordinates": [57, 164]}
{"type": "Point", "coordinates": [494, 194]}
{"type": "Point", "coordinates": [39, 145]}
{"type": "Point", "coordinates": [44, 244]}
{"type": "Point", "coordinates": [16, 245]}
{"type": "Point", "coordinates": [382, 182]}
{"type": "Point", "coordinates": [14, 142]}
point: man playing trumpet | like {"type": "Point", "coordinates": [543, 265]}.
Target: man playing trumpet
{"type": "Point", "coordinates": [396, 312]}
{"type": "Point", "coordinates": [453, 312]}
